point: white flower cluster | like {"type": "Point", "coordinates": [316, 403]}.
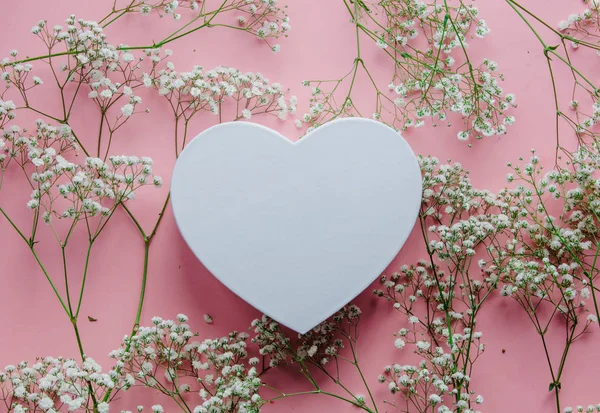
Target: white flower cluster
{"type": "Point", "coordinates": [39, 149]}
{"type": "Point", "coordinates": [198, 90]}
{"type": "Point", "coordinates": [85, 187]}
{"type": "Point", "coordinates": [92, 61]}
{"type": "Point", "coordinates": [589, 409]}
{"type": "Point", "coordinates": [7, 113]}
{"type": "Point", "coordinates": [319, 346]}
{"type": "Point", "coordinates": [167, 7]}
{"type": "Point", "coordinates": [17, 75]}
{"type": "Point", "coordinates": [165, 358]}
{"type": "Point", "coordinates": [447, 190]}
{"type": "Point", "coordinates": [52, 384]}
{"type": "Point", "coordinates": [425, 378]}
{"type": "Point", "coordinates": [105, 93]}
{"type": "Point", "coordinates": [271, 341]}
{"type": "Point", "coordinates": [433, 77]}
{"type": "Point", "coordinates": [580, 25]}
{"type": "Point", "coordinates": [547, 256]}
{"type": "Point", "coordinates": [262, 18]}
{"type": "Point", "coordinates": [408, 16]}
{"type": "Point", "coordinates": [456, 220]}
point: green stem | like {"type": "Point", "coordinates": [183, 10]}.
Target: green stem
{"type": "Point", "coordinates": [15, 227]}
{"type": "Point", "coordinates": [444, 302]}
{"type": "Point", "coordinates": [123, 12]}
{"type": "Point", "coordinates": [191, 22]}
{"type": "Point", "coordinates": [64, 260]}
{"type": "Point", "coordinates": [161, 214]}
{"type": "Point", "coordinates": [561, 35]}
{"type": "Point", "coordinates": [556, 232]}
{"type": "Point", "coordinates": [85, 272]}
{"type": "Point", "coordinates": [464, 49]}
{"type": "Point", "coordinates": [363, 379]}
{"type": "Point", "coordinates": [555, 379]}
{"type": "Point", "coordinates": [135, 221]}
{"type": "Point", "coordinates": [102, 115]}
{"type": "Point", "coordinates": [138, 315]}
{"type": "Point", "coordinates": [50, 281]}
{"type": "Point", "coordinates": [170, 38]}
{"type": "Point", "coordinates": [549, 50]}
{"type": "Point", "coordinates": [83, 357]}
{"type": "Point", "coordinates": [320, 391]}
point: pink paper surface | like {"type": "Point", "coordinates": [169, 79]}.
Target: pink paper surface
{"type": "Point", "coordinates": [512, 375]}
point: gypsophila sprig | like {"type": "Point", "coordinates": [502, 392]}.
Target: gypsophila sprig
{"type": "Point", "coordinates": [579, 31]}
{"type": "Point", "coordinates": [429, 83]}
{"type": "Point", "coordinates": [548, 266]}
{"type": "Point", "coordinates": [56, 384]}
{"type": "Point", "coordinates": [324, 348]}
{"type": "Point", "coordinates": [64, 189]}
{"type": "Point", "coordinates": [457, 222]}
{"type": "Point", "coordinates": [7, 112]}
{"type": "Point", "coordinates": [215, 91]}
{"type": "Point", "coordinates": [264, 19]}
{"type": "Point", "coordinates": [589, 409]}
{"type": "Point", "coordinates": [166, 357]}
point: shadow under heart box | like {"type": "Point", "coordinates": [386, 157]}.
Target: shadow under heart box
{"type": "Point", "coordinates": [297, 229]}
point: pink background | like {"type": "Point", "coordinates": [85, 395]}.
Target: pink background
{"type": "Point", "coordinates": [320, 46]}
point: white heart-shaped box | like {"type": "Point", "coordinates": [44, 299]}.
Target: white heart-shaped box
{"type": "Point", "coordinates": [297, 229]}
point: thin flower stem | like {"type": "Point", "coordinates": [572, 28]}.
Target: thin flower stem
{"type": "Point", "coordinates": [550, 49]}
{"type": "Point", "coordinates": [64, 260]}
{"type": "Point", "coordinates": [201, 15]}
{"type": "Point", "coordinates": [306, 373]}
{"type": "Point", "coordinates": [546, 352]}
{"type": "Point", "coordinates": [83, 357]}
{"type": "Point", "coordinates": [556, 105]}
{"type": "Point", "coordinates": [185, 132]}
{"type": "Point", "coordinates": [85, 272]}
{"type": "Point", "coordinates": [138, 315]}
{"type": "Point", "coordinates": [444, 303]}
{"type": "Point", "coordinates": [102, 118]}
{"type": "Point", "coordinates": [79, 142]}
{"type": "Point", "coordinates": [437, 56]}
{"type": "Point", "coordinates": [177, 136]}
{"type": "Point", "coordinates": [569, 340]}
{"type": "Point", "coordinates": [135, 221]}
{"type": "Point", "coordinates": [160, 216]}
{"type": "Point", "coordinates": [123, 11]}
{"type": "Point", "coordinates": [27, 241]}
{"type": "Point", "coordinates": [319, 391]}
{"type": "Point", "coordinates": [561, 35]}
{"type": "Point", "coordinates": [354, 355]}
{"type": "Point", "coordinates": [41, 113]}
{"type": "Point", "coordinates": [62, 303]}
{"type": "Point", "coordinates": [170, 38]}
{"type": "Point", "coordinates": [462, 45]}
{"type": "Point", "coordinates": [564, 242]}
